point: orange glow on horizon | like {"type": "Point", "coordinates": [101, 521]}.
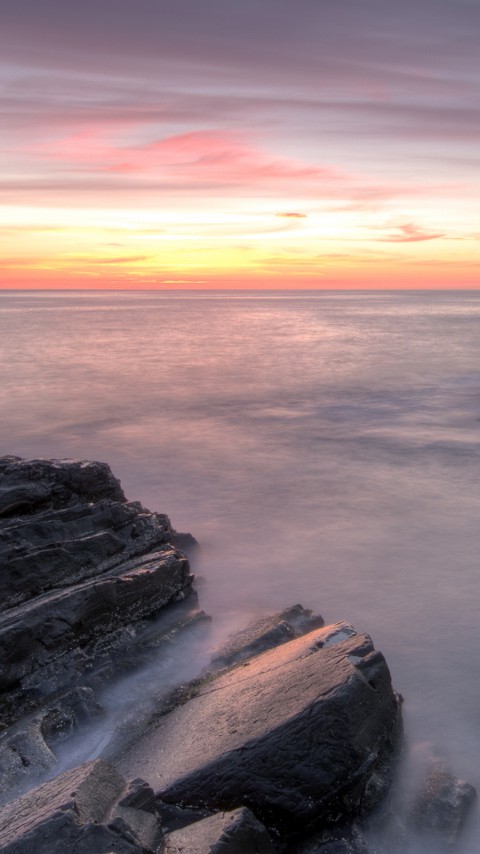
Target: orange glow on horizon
{"type": "Point", "coordinates": [306, 248]}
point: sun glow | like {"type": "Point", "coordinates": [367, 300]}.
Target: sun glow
{"type": "Point", "coordinates": [237, 168]}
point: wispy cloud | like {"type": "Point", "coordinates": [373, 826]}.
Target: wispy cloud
{"type": "Point", "coordinates": [125, 259]}
{"type": "Point", "coordinates": [200, 156]}
{"type": "Point", "coordinates": [220, 161]}
{"type": "Point", "coordinates": [409, 233]}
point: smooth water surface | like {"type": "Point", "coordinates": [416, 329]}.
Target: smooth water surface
{"type": "Point", "coordinates": [322, 447]}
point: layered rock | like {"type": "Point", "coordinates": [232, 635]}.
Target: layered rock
{"type": "Point", "coordinates": [29, 486]}
{"type": "Point", "coordinates": [63, 522]}
{"type": "Point", "coordinates": [266, 633]}
{"type": "Point", "coordinates": [293, 730]}
{"type": "Point", "coordinates": [89, 810]}
{"type": "Point", "coordinates": [303, 735]}
{"type": "Point", "coordinates": [33, 634]}
{"type": "Point", "coordinates": [84, 575]}
{"type": "Point", "coordinates": [78, 563]}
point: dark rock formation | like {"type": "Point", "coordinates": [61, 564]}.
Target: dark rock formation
{"type": "Point", "coordinates": [64, 522]}
{"type": "Point", "coordinates": [426, 810]}
{"type": "Point", "coordinates": [88, 810]}
{"type": "Point", "coordinates": [33, 635]}
{"type": "Point", "coordinates": [29, 486]}
{"type": "Point", "coordinates": [83, 574]}
{"type": "Point", "coordinates": [303, 735]}
{"type": "Point", "coordinates": [30, 747]}
{"type": "Point", "coordinates": [294, 728]}
{"type": "Point", "coordinates": [78, 563]}
{"type": "Point", "coordinates": [342, 840]}
{"type": "Point", "coordinates": [266, 633]}
{"type": "Point", "coordinates": [236, 832]}
{"type": "Point", "coordinates": [442, 805]}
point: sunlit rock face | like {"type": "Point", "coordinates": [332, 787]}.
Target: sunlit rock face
{"type": "Point", "coordinates": [265, 633]}
{"type": "Point", "coordinates": [303, 734]}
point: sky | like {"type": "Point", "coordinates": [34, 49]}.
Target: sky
{"type": "Point", "coordinates": [163, 144]}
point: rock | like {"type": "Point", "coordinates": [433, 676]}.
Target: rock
{"type": "Point", "coordinates": [31, 635]}
{"type": "Point", "coordinates": [304, 735]}
{"type": "Point", "coordinates": [29, 486]}
{"type": "Point", "coordinates": [78, 811]}
{"type": "Point", "coordinates": [85, 576]}
{"type": "Point", "coordinates": [35, 638]}
{"type": "Point", "coordinates": [340, 840]}
{"type": "Point", "coordinates": [266, 633]}
{"type": "Point", "coordinates": [55, 549]}
{"type": "Point", "coordinates": [185, 542]}
{"type": "Point", "coordinates": [138, 795]}
{"type": "Point", "coordinates": [442, 805]}
{"type": "Point", "coordinates": [300, 726]}
{"type": "Point", "coordinates": [23, 753]}
{"type": "Point", "coordinates": [80, 565]}
{"type": "Point", "coordinates": [72, 712]}
{"type": "Point", "coordinates": [237, 832]}
{"type": "Point", "coordinates": [69, 693]}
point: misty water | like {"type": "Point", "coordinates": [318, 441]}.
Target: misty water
{"type": "Point", "coordinates": [322, 447]}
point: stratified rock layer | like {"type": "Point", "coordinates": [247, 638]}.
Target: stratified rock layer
{"type": "Point", "coordinates": [266, 633]}
{"type": "Point", "coordinates": [82, 810]}
{"type": "Point", "coordinates": [29, 486]}
{"type": "Point", "coordinates": [79, 565]}
{"type": "Point", "coordinates": [303, 735]}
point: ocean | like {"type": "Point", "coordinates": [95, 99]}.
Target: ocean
{"type": "Point", "coordinates": [323, 447]}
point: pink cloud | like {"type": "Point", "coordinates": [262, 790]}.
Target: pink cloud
{"type": "Point", "coordinates": [98, 158]}
{"type": "Point", "coordinates": [197, 158]}
{"type": "Point", "coordinates": [410, 233]}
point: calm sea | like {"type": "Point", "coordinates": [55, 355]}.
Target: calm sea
{"type": "Point", "coordinates": [322, 447]}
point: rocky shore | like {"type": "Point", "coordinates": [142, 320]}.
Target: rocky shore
{"type": "Point", "coordinates": [286, 742]}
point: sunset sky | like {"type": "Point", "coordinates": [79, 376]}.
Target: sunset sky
{"type": "Point", "coordinates": [240, 143]}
